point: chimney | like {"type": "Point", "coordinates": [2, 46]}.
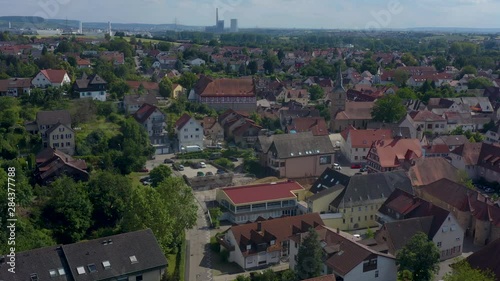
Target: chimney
{"type": "Point", "coordinates": [259, 226]}
{"type": "Point", "coordinates": [338, 230]}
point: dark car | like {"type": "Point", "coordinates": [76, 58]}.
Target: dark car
{"type": "Point", "coordinates": [209, 174]}
{"type": "Point", "coordinates": [144, 170]}
{"type": "Point", "coordinates": [220, 172]}
{"type": "Point", "coordinates": [168, 161]}
{"type": "Point", "coordinates": [364, 169]}
{"type": "Point", "coordinates": [355, 166]}
{"type": "Point", "coordinates": [232, 158]}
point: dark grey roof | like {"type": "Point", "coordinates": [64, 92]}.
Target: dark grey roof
{"type": "Point", "coordinates": [117, 250]}
{"type": "Point", "coordinates": [373, 186]}
{"type": "Point", "coordinates": [265, 142]}
{"type": "Point", "coordinates": [328, 179]}
{"type": "Point", "coordinates": [326, 191]}
{"type": "Point", "coordinates": [40, 262]}
{"type": "Point", "coordinates": [141, 244]}
{"type": "Point", "coordinates": [53, 117]}
{"type": "Point", "coordinates": [136, 99]}
{"type": "Point", "coordinates": [398, 233]}
{"type": "Point", "coordinates": [49, 131]}
{"type": "Point", "coordinates": [300, 145]}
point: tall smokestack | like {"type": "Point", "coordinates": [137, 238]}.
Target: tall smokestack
{"type": "Point", "coordinates": [216, 16]}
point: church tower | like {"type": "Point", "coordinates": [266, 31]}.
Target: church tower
{"type": "Point", "coordinates": [338, 99]}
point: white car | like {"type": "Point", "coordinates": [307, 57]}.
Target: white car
{"type": "Point", "coordinates": [336, 166]}
{"type": "Point", "coordinates": [203, 165]}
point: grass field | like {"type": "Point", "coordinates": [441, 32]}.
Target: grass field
{"type": "Point", "coordinates": [99, 123]}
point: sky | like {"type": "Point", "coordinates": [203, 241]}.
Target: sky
{"type": "Point", "coordinates": [327, 14]}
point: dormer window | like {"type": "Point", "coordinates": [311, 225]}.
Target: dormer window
{"type": "Point", "coordinates": [249, 247]}
{"type": "Point", "coordinates": [273, 242]}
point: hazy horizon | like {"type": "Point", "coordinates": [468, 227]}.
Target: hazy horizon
{"type": "Point", "coordinates": [301, 14]}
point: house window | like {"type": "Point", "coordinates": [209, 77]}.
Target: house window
{"type": "Point", "coordinates": [376, 273]}
{"type": "Point", "coordinates": [359, 219]}
{"type": "Point", "coordinates": [138, 278]}
{"type": "Point", "coordinates": [351, 220]}
{"type": "Point", "coordinates": [439, 244]}
{"type": "Point", "coordinates": [185, 137]}
{"type": "Point", "coordinates": [429, 126]}
{"type": "Point", "coordinates": [359, 209]}
{"type": "Point", "coordinates": [68, 144]}
{"type": "Point", "coordinates": [185, 130]}
{"type": "Point", "coordinates": [325, 160]}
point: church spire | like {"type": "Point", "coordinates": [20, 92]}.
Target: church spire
{"type": "Point", "coordinates": [340, 82]}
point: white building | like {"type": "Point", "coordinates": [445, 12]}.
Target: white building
{"type": "Point", "coordinates": [346, 258]}
{"type": "Point", "coordinates": [51, 77]}
{"type": "Point", "coordinates": [355, 144]}
{"type": "Point", "coordinates": [189, 132]}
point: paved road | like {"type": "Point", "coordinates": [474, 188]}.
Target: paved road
{"type": "Point", "coordinates": [199, 255]}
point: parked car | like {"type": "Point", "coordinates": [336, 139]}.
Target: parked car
{"type": "Point", "coordinates": [232, 158]}
{"type": "Point", "coordinates": [355, 166]}
{"type": "Point", "coordinates": [203, 165]}
{"type": "Point", "coordinates": [209, 174]}
{"type": "Point", "coordinates": [220, 172]}
{"type": "Point", "coordinates": [144, 170]}
{"type": "Point", "coordinates": [336, 166]}
{"type": "Point", "coordinates": [168, 161]}
{"type": "Point", "coordinates": [215, 155]}
{"type": "Point", "coordinates": [200, 174]}
{"type": "Point", "coordinates": [364, 169]}
{"type": "Point", "coordinates": [145, 179]}
{"type": "Point", "coordinates": [181, 167]}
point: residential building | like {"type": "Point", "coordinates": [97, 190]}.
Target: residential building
{"type": "Point", "coordinates": [116, 58]}
{"type": "Point", "coordinates": [345, 258]}
{"type": "Point", "coordinates": [489, 162]}
{"type": "Point", "coordinates": [355, 144]}
{"type": "Point", "coordinates": [93, 87]}
{"type": "Point", "coordinates": [391, 154]}
{"type": "Point", "coordinates": [487, 259]}
{"type": "Point", "coordinates": [355, 114]}
{"type": "Point", "coordinates": [477, 215]}
{"type": "Point", "coordinates": [52, 163]}
{"type": "Point", "coordinates": [265, 242]}
{"type": "Point", "coordinates": [225, 93]}
{"type": "Point", "coordinates": [452, 141]}
{"type": "Point", "coordinates": [429, 121]}
{"type": "Point", "coordinates": [55, 130]}
{"type": "Point", "coordinates": [466, 157]}
{"type": "Point", "coordinates": [51, 77]}
{"type": "Point", "coordinates": [15, 87]}
{"type": "Point", "coordinates": [299, 95]}
{"type": "Point", "coordinates": [287, 116]}
{"type": "Point", "coordinates": [425, 171]}
{"type": "Point", "coordinates": [352, 203]}
{"type": "Point", "coordinates": [299, 155]}
{"type": "Point", "coordinates": [189, 132]}
{"type": "Point", "coordinates": [316, 125]}
{"type": "Point", "coordinates": [197, 62]}
{"type": "Point", "coordinates": [83, 63]}
{"type": "Point", "coordinates": [144, 87]}
{"type": "Point", "coordinates": [154, 121]}
{"type": "Point", "coordinates": [492, 136]}
{"type": "Point", "coordinates": [177, 91]}
{"type": "Point", "coordinates": [238, 126]}
{"type": "Point", "coordinates": [403, 215]}
{"type": "Point", "coordinates": [132, 102]}
{"type": "Point", "coordinates": [127, 256]}
{"type": "Point", "coordinates": [249, 203]}
{"type": "Point", "coordinates": [212, 129]}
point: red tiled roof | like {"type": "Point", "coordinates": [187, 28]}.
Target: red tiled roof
{"type": "Point", "coordinates": [82, 62]}
{"type": "Point", "coordinates": [316, 125]}
{"type": "Point", "coordinates": [209, 122]}
{"type": "Point", "coordinates": [6, 84]}
{"type": "Point", "coordinates": [365, 138]}
{"type": "Point", "coordinates": [450, 192]}
{"type": "Point", "coordinates": [54, 75]}
{"type": "Point", "coordinates": [242, 87]}
{"type": "Point", "coordinates": [426, 116]}
{"type": "Point", "coordinates": [429, 170]}
{"type": "Point", "coordinates": [356, 111]}
{"type": "Point", "coordinates": [182, 121]}
{"type": "Point", "coordinates": [392, 151]}
{"type": "Point", "coordinates": [262, 192]}
{"type": "Point", "coordinates": [149, 86]}
{"type": "Point", "coordinates": [278, 229]}
{"type": "Point", "coordinates": [143, 113]}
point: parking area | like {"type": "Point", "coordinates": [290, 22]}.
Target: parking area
{"type": "Point", "coordinates": [191, 172]}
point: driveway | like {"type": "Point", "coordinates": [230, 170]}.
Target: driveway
{"type": "Point", "coordinates": [468, 249]}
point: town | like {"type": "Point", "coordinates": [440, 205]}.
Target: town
{"type": "Point", "coordinates": [225, 154]}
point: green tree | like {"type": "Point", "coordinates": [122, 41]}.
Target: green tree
{"type": "Point", "coordinates": [268, 66]}
{"type": "Point", "coordinates": [463, 271]}
{"type": "Point", "coordinates": [165, 86]}
{"type": "Point", "coordinates": [109, 194]}
{"type": "Point", "coordinates": [370, 65]}
{"type": "Point", "coordinates": [405, 275]}
{"type": "Point", "coordinates": [388, 109]}
{"type": "Point", "coordinates": [224, 162]}
{"type": "Point", "coordinates": [253, 67]}
{"type": "Point", "coordinates": [440, 63]}
{"type": "Point", "coordinates": [215, 214]}
{"type": "Point", "coordinates": [159, 174]}
{"type": "Point", "coordinates": [468, 69]}
{"type": "Point", "coordinates": [180, 203]}
{"type": "Point", "coordinates": [309, 257]}
{"type": "Point", "coordinates": [119, 89]}
{"type": "Point", "coordinates": [420, 256]}
{"type": "Point", "coordinates": [400, 77]}
{"type": "Point", "coordinates": [316, 92]}
{"type": "Point", "coordinates": [406, 93]}
{"type": "Point", "coordinates": [409, 60]}
{"type": "Point", "coordinates": [187, 80]}
{"type": "Point", "coordinates": [135, 146]}
{"type": "Point", "coordinates": [370, 233]}
{"type": "Point", "coordinates": [479, 83]}
{"type": "Point", "coordinates": [68, 211]}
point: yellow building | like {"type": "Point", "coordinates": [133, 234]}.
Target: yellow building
{"type": "Point", "coordinates": [351, 203]}
{"type": "Point", "coordinates": [177, 90]}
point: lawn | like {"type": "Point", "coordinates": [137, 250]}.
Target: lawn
{"type": "Point", "coordinates": [135, 178]}
{"type": "Point", "coordinates": [99, 123]}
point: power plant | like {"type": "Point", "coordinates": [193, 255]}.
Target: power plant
{"type": "Point", "coordinates": [219, 26]}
